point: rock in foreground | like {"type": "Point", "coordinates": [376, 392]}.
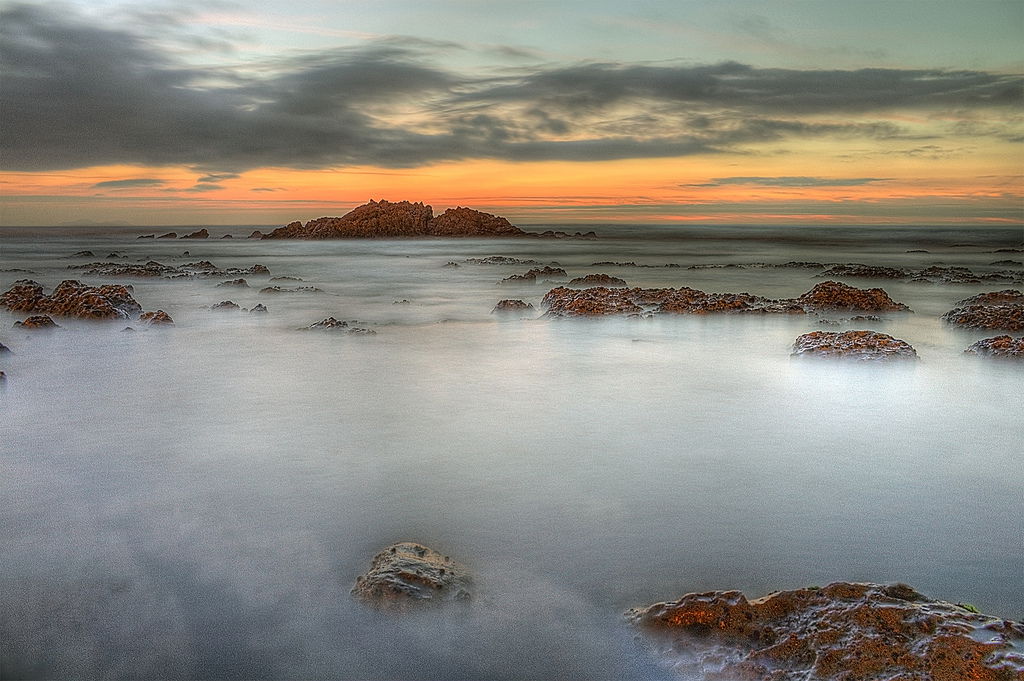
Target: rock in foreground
{"type": "Point", "coordinates": [1000, 346]}
{"type": "Point", "coordinates": [384, 220]}
{"type": "Point", "coordinates": [1002, 310]}
{"type": "Point", "coordinates": [858, 345]}
{"type": "Point", "coordinates": [72, 299]}
{"type": "Point", "coordinates": [409, 574]}
{"type": "Point", "coordinates": [842, 632]}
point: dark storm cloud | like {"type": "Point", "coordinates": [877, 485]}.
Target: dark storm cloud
{"type": "Point", "coordinates": [791, 181]}
{"type": "Point", "coordinates": [76, 94]}
{"type": "Point", "coordinates": [123, 184]}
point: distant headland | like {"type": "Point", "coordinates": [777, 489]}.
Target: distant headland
{"type": "Point", "coordinates": [387, 220]}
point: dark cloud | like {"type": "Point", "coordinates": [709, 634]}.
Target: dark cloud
{"type": "Point", "coordinates": [791, 181]}
{"type": "Point", "coordinates": [122, 184]}
{"type": "Point", "coordinates": [78, 94]}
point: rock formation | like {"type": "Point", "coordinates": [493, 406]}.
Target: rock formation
{"type": "Point", "coordinates": [169, 235]}
{"type": "Point", "coordinates": [200, 234]}
{"type": "Point", "coordinates": [509, 305]}
{"type": "Point", "coordinates": [1000, 346]}
{"type": "Point", "coordinates": [72, 299]}
{"type": "Point", "coordinates": [1000, 310]}
{"type": "Point", "coordinates": [531, 276]}
{"type": "Point", "coordinates": [858, 345]}
{"type": "Point", "coordinates": [332, 324]}
{"type": "Point", "coordinates": [298, 289]}
{"type": "Point", "coordinates": [225, 305]}
{"type": "Point", "coordinates": [387, 220]}
{"type": "Point", "coordinates": [37, 322]}
{"type": "Point", "coordinates": [258, 308]}
{"type": "Point", "coordinates": [407, 575]}
{"type": "Point", "coordinates": [825, 296]}
{"type": "Point", "coordinates": [842, 632]}
{"type": "Point", "coordinates": [598, 280]}
{"type": "Point", "coordinates": [158, 318]}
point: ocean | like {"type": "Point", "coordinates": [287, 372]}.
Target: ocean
{"type": "Point", "coordinates": [196, 501]}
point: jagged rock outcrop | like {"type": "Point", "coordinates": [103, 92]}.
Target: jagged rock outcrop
{"type": "Point", "coordinates": [842, 632]}
{"type": "Point", "coordinates": [509, 305]}
{"type": "Point", "coordinates": [997, 310]}
{"type": "Point", "coordinates": [200, 234]}
{"type": "Point", "coordinates": [598, 280]}
{"type": "Point", "coordinates": [384, 219]}
{"type": "Point", "coordinates": [408, 575]}
{"type": "Point", "coordinates": [72, 298]}
{"type": "Point", "coordinates": [826, 296]}
{"type": "Point", "coordinates": [37, 322]}
{"type": "Point", "coordinates": [158, 318]}
{"type": "Point", "coordinates": [1000, 346]}
{"type": "Point", "coordinates": [858, 345]}
{"type": "Point", "coordinates": [337, 325]}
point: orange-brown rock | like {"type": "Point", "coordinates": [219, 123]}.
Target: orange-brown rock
{"type": "Point", "coordinates": [531, 276]}
{"type": "Point", "coordinates": [842, 632]}
{"type": "Point", "coordinates": [509, 305]}
{"type": "Point", "coordinates": [1000, 346]}
{"type": "Point", "coordinates": [566, 302]}
{"type": "Point", "coordinates": [598, 280]}
{"type": "Point", "coordinates": [1002, 310]}
{"type": "Point", "coordinates": [1005, 297]}
{"type": "Point", "coordinates": [384, 219]}
{"type": "Point", "coordinates": [858, 345]}
{"type": "Point", "coordinates": [37, 322]}
{"type": "Point", "coordinates": [72, 299]}
{"type": "Point", "coordinates": [832, 295]}
{"type": "Point", "coordinates": [158, 318]}
{"type": "Point", "coordinates": [408, 574]}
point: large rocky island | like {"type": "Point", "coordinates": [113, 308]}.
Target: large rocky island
{"type": "Point", "coordinates": [386, 220]}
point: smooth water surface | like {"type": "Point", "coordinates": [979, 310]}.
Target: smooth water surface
{"type": "Point", "coordinates": [197, 501]}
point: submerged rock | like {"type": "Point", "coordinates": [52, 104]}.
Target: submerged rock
{"type": "Point", "coordinates": [332, 324]}
{"type": "Point", "coordinates": [83, 254]}
{"type": "Point", "coordinates": [225, 305]}
{"type": "Point", "coordinates": [158, 318]}
{"type": "Point", "coordinates": [236, 283]}
{"type": "Point", "coordinates": [72, 298]}
{"type": "Point", "coordinates": [152, 268]}
{"type": "Point", "coordinates": [598, 280]}
{"type": "Point", "coordinates": [999, 346]}
{"type": "Point", "coordinates": [499, 260]}
{"type": "Point", "coordinates": [169, 235]}
{"type": "Point", "coordinates": [858, 345]}
{"type": "Point", "coordinates": [37, 322]}
{"type": "Point", "coordinates": [509, 305]}
{"type": "Point", "coordinates": [4, 349]}
{"type": "Point", "coordinates": [299, 289]}
{"type": "Point", "coordinates": [258, 308]}
{"type": "Point", "coordinates": [256, 234]}
{"type": "Point", "coordinates": [408, 574]}
{"type": "Point", "coordinates": [998, 310]}
{"type": "Point", "coordinates": [842, 632]}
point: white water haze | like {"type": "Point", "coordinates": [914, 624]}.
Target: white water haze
{"type": "Point", "coordinates": [196, 501]}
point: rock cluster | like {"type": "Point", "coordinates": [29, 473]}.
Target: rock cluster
{"type": "Point", "coordinates": [408, 574]}
{"type": "Point", "coordinates": [384, 219]}
{"type": "Point", "coordinates": [158, 318]}
{"type": "Point", "coordinates": [598, 280]}
{"type": "Point", "coordinates": [934, 274]}
{"type": "Point", "coordinates": [842, 632]}
{"type": "Point", "coordinates": [1000, 346]}
{"type": "Point", "coordinates": [825, 296]}
{"type": "Point", "coordinates": [202, 268]}
{"type": "Point", "coordinates": [1001, 310]}
{"type": "Point", "coordinates": [72, 299]}
{"type": "Point", "coordinates": [858, 345]}
{"type": "Point", "coordinates": [37, 322]}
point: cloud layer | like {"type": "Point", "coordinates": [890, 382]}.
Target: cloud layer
{"type": "Point", "coordinates": [77, 95]}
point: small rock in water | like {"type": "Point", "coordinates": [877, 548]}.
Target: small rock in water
{"type": "Point", "coordinates": [200, 234]}
{"type": "Point", "coordinates": [169, 235]}
{"type": "Point", "coordinates": [859, 345]}
{"type": "Point", "coordinates": [225, 305]}
{"type": "Point", "coordinates": [4, 348]}
{"type": "Point", "coordinates": [509, 305]}
{"type": "Point", "coordinates": [258, 308]}
{"type": "Point", "coordinates": [997, 310]}
{"type": "Point", "coordinates": [237, 283]}
{"type": "Point", "coordinates": [598, 280]}
{"type": "Point", "coordinates": [450, 263]}
{"type": "Point", "coordinates": [158, 318]}
{"type": "Point", "coordinates": [1000, 346]}
{"type": "Point", "coordinates": [299, 289]}
{"type": "Point", "coordinates": [256, 234]}
{"type": "Point", "coordinates": [83, 254]}
{"type": "Point", "coordinates": [37, 322]}
{"type": "Point", "coordinates": [128, 328]}
{"type": "Point", "coordinates": [409, 574]}
{"type": "Point", "coordinates": [332, 324]}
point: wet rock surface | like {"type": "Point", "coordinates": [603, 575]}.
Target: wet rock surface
{"type": "Point", "coordinates": [598, 280]}
{"type": "Point", "coordinates": [842, 632]}
{"type": "Point", "coordinates": [340, 326]}
{"type": "Point", "coordinates": [37, 322]}
{"type": "Point", "coordinates": [997, 310]}
{"type": "Point", "coordinates": [384, 219]}
{"type": "Point", "coordinates": [531, 276]}
{"type": "Point", "coordinates": [152, 268]}
{"type": "Point", "coordinates": [510, 305]}
{"type": "Point", "coordinates": [999, 346]}
{"type": "Point", "coordinates": [408, 575]}
{"type": "Point", "coordinates": [825, 296]}
{"type": "Point", "coordinates": [858, 345]}
{"type": "Point", "coordinates": [72, 298]}
{"type": "Point", "coordinates": [157, 318]}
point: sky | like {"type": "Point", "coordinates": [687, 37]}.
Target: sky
{"type": "Point", "coordinates": [685, 111]}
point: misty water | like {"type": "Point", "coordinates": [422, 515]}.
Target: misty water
{"type": "Point", "coordinates": [196, 501]}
